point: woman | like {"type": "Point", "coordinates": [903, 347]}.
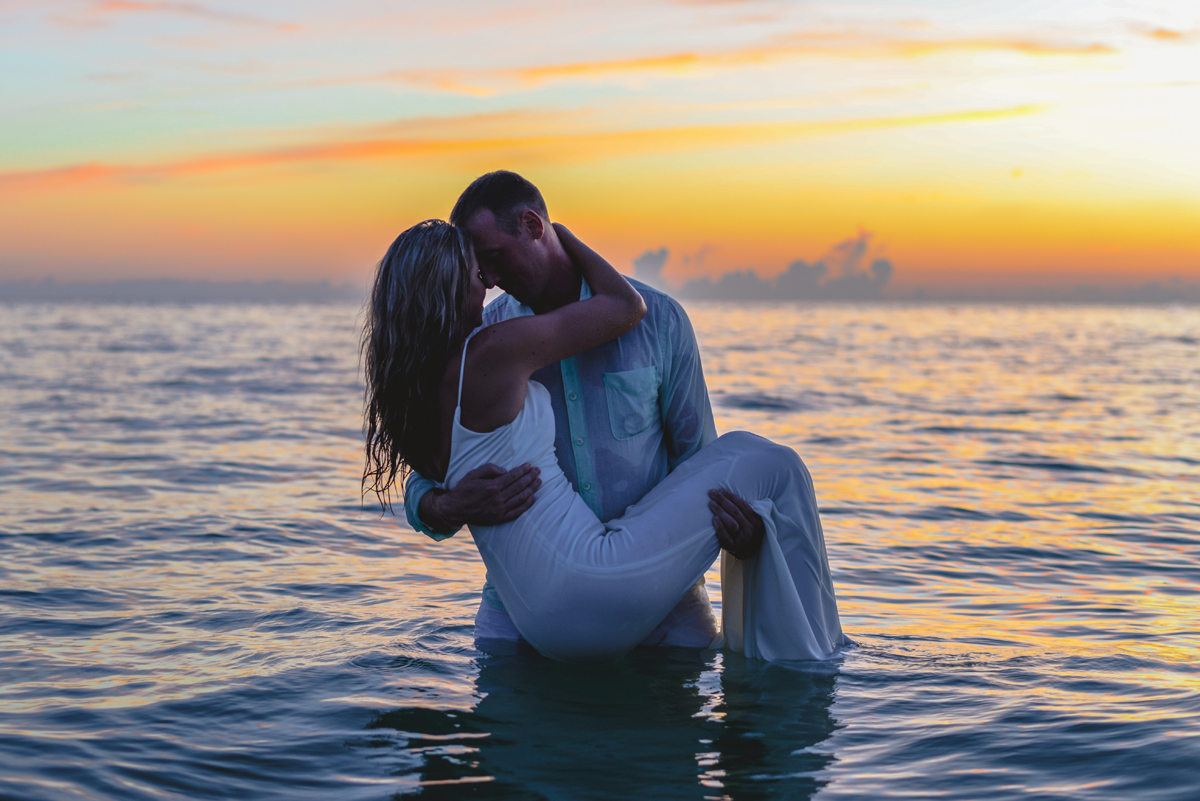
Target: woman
{"type": "Point", "coordinates": [444, 395]}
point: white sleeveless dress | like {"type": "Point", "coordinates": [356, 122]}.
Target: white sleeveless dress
{"type": "Point", "coordinates": [583, 591]}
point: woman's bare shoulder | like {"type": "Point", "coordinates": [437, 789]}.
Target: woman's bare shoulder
{"type": "Point", "coordinates": [494, 379]}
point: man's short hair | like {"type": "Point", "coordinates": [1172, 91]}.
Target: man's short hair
{"type": "Point", "coordinates": [505, 194]}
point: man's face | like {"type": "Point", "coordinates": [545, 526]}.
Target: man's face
{"type": "Point", "coordinates": [515, 263]}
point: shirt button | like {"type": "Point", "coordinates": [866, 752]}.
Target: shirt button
{"type": "Point", "coordinates": [579, 440]}
{"type": "Point", "coordinates": [586, 486]}
{"type": "Point", "coordinates": [573, 396]}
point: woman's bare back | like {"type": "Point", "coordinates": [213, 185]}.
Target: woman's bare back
{"type": "Point", "coordinates": [493, 390]}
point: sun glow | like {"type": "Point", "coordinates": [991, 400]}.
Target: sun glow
{"type": "Point", "coordinates": [206, 141]}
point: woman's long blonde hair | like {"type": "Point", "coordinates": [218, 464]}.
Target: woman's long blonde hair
{"type": "Point", "coordinates": [416, 318]}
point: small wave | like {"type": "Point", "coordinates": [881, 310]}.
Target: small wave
{"type": "Point", "coordinates": [75, 626]}
{"type": "Point", "coordinates": [65, 597]}
{"type": "Point", "coordinates": [1059, 466]}
{"type": "Point", "coordinates": [347, 590]}
{"type": "Point", "coordinates": [1009, 412]}
{"type": "Point", "coordinates": [1174, 458]}
{"type": "Point", "coordinates": [143, 347]}
{"type": "Point", "coordinates": [822, 439]}
{"type": "Point", "coordinates": [801, 402]}
{"type": "Point", "coordinates": [945, 429]}
{"type": "Point", "coordinates": [960, 513]}
{"type": "Point", "coordinates": [67, 487]}
{"type": "Point", "coordinates": [928, 513]}
{"type": "Point", "coordinates": [224, 473]}
{"type": "Point", "coordinates": [879, 578]}
{"type": "Point", "coordinates": [761, 401]}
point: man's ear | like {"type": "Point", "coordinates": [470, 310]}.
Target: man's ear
{"type": "Point", "coordinates": [532, 222]}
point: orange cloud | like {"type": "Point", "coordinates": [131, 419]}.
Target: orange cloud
{"type": "Point", "coordinates": [186, 9]}
{"type": "Point", "coordinates": [1167, 34]}
{"type": "Point", "coordinates": [561, 147]}
{"type": "Point", "coordinates": [861, 43]}
{"type": "Point", "coordinates": [1028, 47]}
{"type": "Point", "coordinates": [821, 43]}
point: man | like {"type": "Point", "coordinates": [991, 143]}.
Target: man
{"type": "Point", "coordinates": [626, 413]}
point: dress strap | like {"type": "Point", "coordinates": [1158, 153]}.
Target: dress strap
{"type": "Point", "coordinates": [463, 364]}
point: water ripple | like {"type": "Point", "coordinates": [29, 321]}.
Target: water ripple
{"type": "Point", "coordinates": [196, 603]}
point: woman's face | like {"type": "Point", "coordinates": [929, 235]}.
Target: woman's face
{"type": "Point", "coordinates": [475, 294]}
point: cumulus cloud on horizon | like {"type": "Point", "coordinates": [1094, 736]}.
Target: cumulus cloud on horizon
{"type": "Point", "coordinates": [847, 272]}
{"type": "Point", "coordinates": [850, 272]}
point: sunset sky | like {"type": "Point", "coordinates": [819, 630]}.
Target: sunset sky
{"type": "Point", "coordinates": [981, 144]}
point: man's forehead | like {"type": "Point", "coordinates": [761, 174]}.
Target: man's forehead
{"type": "Point", "coordinates": [483, 229]}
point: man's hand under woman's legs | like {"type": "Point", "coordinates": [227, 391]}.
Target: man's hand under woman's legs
{"type": "Point", "coordinates": [739, 528]}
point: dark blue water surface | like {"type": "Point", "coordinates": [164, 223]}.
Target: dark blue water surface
{"type": "Point", "coordinates": [194, 603]}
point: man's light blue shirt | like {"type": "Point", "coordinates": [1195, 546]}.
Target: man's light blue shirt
{"type": "Point", "coordinates": [626, 413]}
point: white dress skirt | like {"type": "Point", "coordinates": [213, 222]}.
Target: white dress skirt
{"type": "Point", "coordinates": [584, 591]}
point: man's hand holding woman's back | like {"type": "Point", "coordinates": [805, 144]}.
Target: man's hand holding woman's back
{"type": "Point", "coordinates": [486, 496]}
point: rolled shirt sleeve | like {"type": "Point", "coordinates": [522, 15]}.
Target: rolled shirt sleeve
{"type": "Point", "coordinates": [414, 491]}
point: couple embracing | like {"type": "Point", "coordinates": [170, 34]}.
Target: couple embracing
{"type": "Point", "coordinates": [568, 425]}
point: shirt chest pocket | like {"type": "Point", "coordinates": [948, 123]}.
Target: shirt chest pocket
{"type": "Point", "coordinates": [632, 400]}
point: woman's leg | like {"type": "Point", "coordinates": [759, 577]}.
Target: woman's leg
{"type": "Point", "coordinates": [780, 604]}
{"type": "Point", "coordinates": [588, 595]}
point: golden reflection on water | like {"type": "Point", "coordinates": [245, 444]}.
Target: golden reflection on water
{"type": "Point", "coordinates": [1040, 420]}
{"type": "Point", "coordinates": [1008, 495]}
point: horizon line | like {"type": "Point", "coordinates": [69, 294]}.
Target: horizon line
{"type": "Point", "coordinates": [168, 290]}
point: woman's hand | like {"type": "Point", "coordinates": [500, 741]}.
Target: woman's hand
{"type": "Point", "coordinates": [531, 342]}
{"type": "Point", "coordinates": [571, 243]}
{"type": "Point", "coordinates": [564, 235]}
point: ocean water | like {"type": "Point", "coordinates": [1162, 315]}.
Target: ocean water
{"type": "Point", "coordinates": [195, 603]}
